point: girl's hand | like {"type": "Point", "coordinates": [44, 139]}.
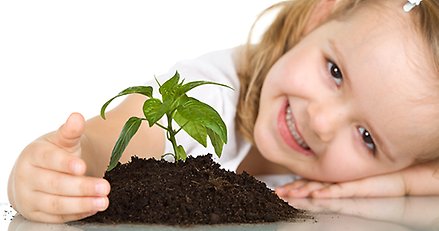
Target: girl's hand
{"type": "Point", "coordinates": [48, 182]}
{"type": "Point", "coordinates": [376, 186]}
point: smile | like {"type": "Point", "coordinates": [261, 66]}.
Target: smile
{"type": "Point", "coordinates": [293, 130]}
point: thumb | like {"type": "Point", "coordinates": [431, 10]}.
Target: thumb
{"type": "Point", "coordinates": [68, 136]}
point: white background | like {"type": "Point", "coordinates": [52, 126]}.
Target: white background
{"type": "Point", "coordinates": [60, 56]}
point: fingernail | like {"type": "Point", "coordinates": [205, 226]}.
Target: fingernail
{"type": "Point", "coordinates": [100, 203]}
{"type": "Point", "coordinates": [281, 191]}
{"type": "Point", "coordinates": [91, 214]}
{"type": "Point", "coordinates": [77, 168]}
{"type": "Point", "coordinates": [101, 189]}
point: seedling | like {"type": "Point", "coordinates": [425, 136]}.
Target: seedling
{"type": "Point", "coordinates": [196, 118]}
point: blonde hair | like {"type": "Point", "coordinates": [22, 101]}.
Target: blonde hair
{"type": "Point", "coordinates": [426, 19]}
{"type": "Point", "coordinates": [287, 29]}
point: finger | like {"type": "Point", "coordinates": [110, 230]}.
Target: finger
{"type": "Point", "coordinates": [69, 185]}
{"type": "Point", "coordinates": [56, 218]}
{"type": "Point", "coordinates": [62, 205]}
{"type": "Point", "coordinates": [69, 134]}
{"type": "Point", "coordinates": [367, 187]}
{"type": "Point", "coordinates": [306, 189]}
{"type": "Point", "coordinates": [58, 161]}
{"type": "Point", "coordinates": [314, 185]}
{"type": "Point", "coordinates": [389, 185]}
{"type": "Point", "coordinates": [342, 190]}
{"type": "Point", "coordinates": [283, 191]}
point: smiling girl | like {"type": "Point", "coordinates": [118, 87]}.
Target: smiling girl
{"type": "Point", "coordinates": [355, 98]}
{"type": "Point", "coordinates": [341, 93]}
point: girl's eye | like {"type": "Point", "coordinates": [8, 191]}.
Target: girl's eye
{"type": "Point", "coordinates": [367, 139]}
{"type": "Point", "coordinates": [335, 73]}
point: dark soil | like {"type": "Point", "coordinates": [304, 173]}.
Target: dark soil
{"type": "Point", "coordinates": [197, 191]}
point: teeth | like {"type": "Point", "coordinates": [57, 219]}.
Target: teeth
{"type": "Point", "coordinates": [293, 131]}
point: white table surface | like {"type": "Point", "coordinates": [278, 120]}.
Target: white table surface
{"type": "Point", "coordinates": [387, 214]}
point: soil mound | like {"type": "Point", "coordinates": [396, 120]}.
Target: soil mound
{"type": "Point", "coordinates": [196, 191]}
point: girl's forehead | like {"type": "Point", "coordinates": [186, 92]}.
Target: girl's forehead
{"type": "Point", "coordinates": [385, 43]}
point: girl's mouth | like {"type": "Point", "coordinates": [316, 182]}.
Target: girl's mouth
{"type": "Point", "coordinates": [290, 133]}
{"type": "Point", "coordinates": [291, 123]}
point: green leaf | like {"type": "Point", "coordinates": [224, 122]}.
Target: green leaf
{"type": "Point", "coordinates": [129, 129]}
{"type": "Point", "coordinates": [169, 88]}
{"type": "Point", "coordinates": [216, 141]}
{"type": "Point", "coordinates": [144, 90]}
{"type": "Point", "coordinates": [191, 85]}
{"type": "Point", "coordinates": [193, 128]}
{"type": "Point", "coordinates": [195, 117]}
{"type": "Point", "coordinates": [181, 154]}
{"type": "Point", "coordinates": [153, 109]}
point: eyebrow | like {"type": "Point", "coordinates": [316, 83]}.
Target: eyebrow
{"type": "Point", "coordinates": [381, 147]}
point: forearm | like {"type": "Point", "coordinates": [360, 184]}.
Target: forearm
{"type": "Point", "coordinates": [422, 179]}
{"type": "Point", "coordinates": [101, 135]}
{"type": "Point", "coordinates": [418, 180]}
{"type": "Point", "coordinates": [98, 141]}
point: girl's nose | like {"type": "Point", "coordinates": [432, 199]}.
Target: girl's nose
{"type": "Point", "coordinates": [326, 118]}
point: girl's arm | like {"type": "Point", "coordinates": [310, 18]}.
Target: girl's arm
{"type": "Point", "coordinates": [418, 180]}
{"type": "Point", "coordinates": [422, 179]}
{"type": "Point", "coordinates": [147, 142]}
{"type": "Point", "coordinates": [58, 177]}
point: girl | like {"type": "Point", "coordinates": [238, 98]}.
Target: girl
{"type": "Point", "coordinates": [341, 93]}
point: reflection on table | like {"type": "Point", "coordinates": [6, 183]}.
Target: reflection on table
{"type": "Point", "coordinates": [413, 212]}
{"type": "Point", "coordinates": [401, 214]}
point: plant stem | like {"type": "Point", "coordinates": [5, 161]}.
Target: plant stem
{"type": "Point", "coordinates": [163, 127]}
{"type": "Point", "coordinates": [171, 137]}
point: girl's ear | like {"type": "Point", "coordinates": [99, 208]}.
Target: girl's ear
{"type": "Point", "coordinates": [321, 11]}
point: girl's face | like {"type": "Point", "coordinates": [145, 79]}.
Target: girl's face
{"type": "Point", "coordinates": [353, 99]}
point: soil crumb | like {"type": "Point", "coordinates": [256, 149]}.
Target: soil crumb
{"type": "Point", "coordinates": [197, 191]}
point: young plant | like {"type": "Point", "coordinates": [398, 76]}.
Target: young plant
{"type": "Point", "coordinates": [196, 118]}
